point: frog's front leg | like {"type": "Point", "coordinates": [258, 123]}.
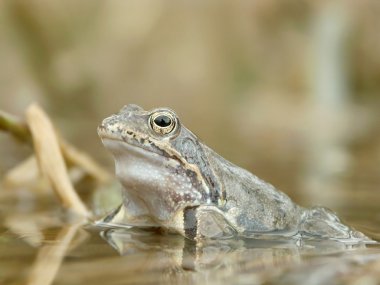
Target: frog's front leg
{"type": "Point", "coordinates": [122, 217]}
{"type": "Point", "coordinates": [206, 222]}
{"type": "Point", "coordinates": [131, 212]}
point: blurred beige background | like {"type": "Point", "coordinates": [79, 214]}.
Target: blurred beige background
{"type": "Point", "coordinates": [286, 89]}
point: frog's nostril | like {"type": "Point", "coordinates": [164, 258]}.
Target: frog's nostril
{"type": "Point", "coordinates": [106, 122]}
{"type": "Point", "coordinates": [101, 129]}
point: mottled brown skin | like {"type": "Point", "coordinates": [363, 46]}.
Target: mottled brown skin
{"type": "Point", "coordinates": [172, 180]}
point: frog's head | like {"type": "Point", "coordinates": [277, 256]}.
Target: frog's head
{"type": "Point", "coordinates": [159, 161]}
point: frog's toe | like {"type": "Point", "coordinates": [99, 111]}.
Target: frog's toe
{"type": "Point", "coordinates": [321, 222]}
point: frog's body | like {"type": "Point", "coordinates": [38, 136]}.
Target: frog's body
{"type": "Point", "coordinates": [174, 181]}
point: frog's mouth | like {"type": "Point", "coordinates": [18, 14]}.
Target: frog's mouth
{"type": "Point", "coordinates": [131, 138]}
{"type": "Point", "coordinates": [125, 150]}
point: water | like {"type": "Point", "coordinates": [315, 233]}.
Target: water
{"type": "Point", "coordinates": [41, 246]}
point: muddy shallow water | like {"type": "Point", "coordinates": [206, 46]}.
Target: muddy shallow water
{"type": "Point", "coordinates": [39, 246]}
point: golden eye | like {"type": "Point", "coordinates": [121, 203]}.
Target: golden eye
{"type": "Point", "coordinates": [162, 122]}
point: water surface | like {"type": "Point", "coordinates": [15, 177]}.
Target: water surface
{"type": "Point", "coordinates": [42, 246]}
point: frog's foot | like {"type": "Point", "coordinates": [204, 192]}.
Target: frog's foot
{"type": "Point", "coordinates": [319, 222]}
{"type": "Point", "coordinates": [206, 222]}
{"type": "Point", "coordinates": [122, 218]}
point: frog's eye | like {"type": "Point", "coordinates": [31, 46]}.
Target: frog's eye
{"type": "Point", "coordinates": [162, 122]}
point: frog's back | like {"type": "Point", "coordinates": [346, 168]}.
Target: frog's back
{"type": "Point", "coordinates": [254, 206]}
{"type": "Point", "coordinates": [251, 204]}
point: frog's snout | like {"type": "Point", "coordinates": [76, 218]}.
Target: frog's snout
{"type": "Point", "coordinates": [104, 126]}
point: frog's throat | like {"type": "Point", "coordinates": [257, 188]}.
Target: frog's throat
{"type": "Point", "coordinates": [123, 152]}
{"type": "Point", "coordinates": [156, 148]}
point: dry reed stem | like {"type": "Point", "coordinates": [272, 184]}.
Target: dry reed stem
{"type": "Point", "coordinates": [72, 155]}
{"type": "Point", "coordinates": [50, 159]}
{"type": "Point", "coordinates": [26, 173]}
{"type": "Point", "coordinates": [76, 157]}
{"type": "Point", "coordinates": [11, 124]}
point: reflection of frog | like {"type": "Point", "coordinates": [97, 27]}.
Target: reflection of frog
{"type": "Point", "coordinates": [174, 181]}
{"type": "Point", "coordinates": [251, 256]}
{"type": "Point", "coordinates": [210, 254]}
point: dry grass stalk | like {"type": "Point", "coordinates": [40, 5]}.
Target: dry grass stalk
{"type": "Point", "coordinates": [26, 173]}
{"type": "Point", "coordinates": [76, 157]}
{"type": "Point", "coordinates": [50, 159]}
{"type": "Point", "coordinates": [72, 155]}
{"type": "Point", "coordinates": [11, 124]}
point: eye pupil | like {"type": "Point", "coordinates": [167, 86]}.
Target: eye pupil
{"type": "Point", "coordinates": [163, 121]}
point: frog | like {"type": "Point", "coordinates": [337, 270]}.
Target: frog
{"type": "Point", "coordinates": [173, 181]}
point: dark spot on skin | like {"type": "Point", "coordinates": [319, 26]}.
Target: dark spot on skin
{"type": "Point", "coordinates": [190, 174]}
{"type": "Point", "coordinates": [178, 170]}
{"type": "Point", "coordinates": [142, 140]}
{"type": "Point", "coordinates": [176, 198]}
{"type": "Point", "coordinates": [187, 197]}
{"type": "Point", "coordinates": [129, 133]}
